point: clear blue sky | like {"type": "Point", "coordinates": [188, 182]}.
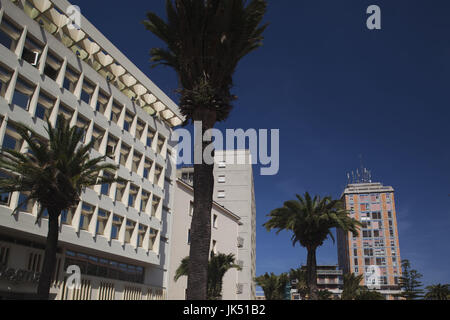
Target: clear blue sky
{"type": "Point", "coordinates": [336, 90]}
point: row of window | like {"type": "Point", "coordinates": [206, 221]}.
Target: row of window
{"type": "Point", "coordinates": [105, 268]}
{"type": "Point", "coordinates": [188, 177]}
{"type": "Point", "coordinates": [139, 164]}
{"type": "Point", "coordinates": [51, 64]}
{"type": "Point", "coordinates": [103, 217]}
{"type": "Point", "coordinates": [24, 91]}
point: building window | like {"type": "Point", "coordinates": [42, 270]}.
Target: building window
{"type": "Point", "coordinates": [150, 135]}
{"type": "Point", "coordinates": [152, 239]}
{"type": "Point", "coordinates": [102, 102]}
{"type": "Point", "coordinates": [129, 230]}
{"type": "Point", "coordinates": [222, 164]}
{"type": "Point", "coordinates": [128, 121]}
{"type": "Point", "coordinates": [111, 147]}
{"type": "Point", "coordinates": [101, 267]}
{"type": "Point", "coordinates": [120, 190]}
{"type": "Point", "coordinates": [87, 91]}
{"type": "Point", "coordinates": [136, 161]}
{"type": "Point", "coordinates": [70, 79]}
{"type": "Point", "coordinates": [140, 129]}
{"type": "Point", "coordinates": [161, 142]}
{"type": "Point", "coordinates": [116, 111]}
{"type": "Point", "coordinates": [147, 167]}
{"type": "Point", "coordinates": [23, 93]}
{"type": "Point", "coordinates": [6, 196]}
{"type": "Point", "coordinates": [82, 126]}
{"type": "Point", "coordinates": [189, 236]}
{"type": "Point", "coordinates": [32, 51]}
{"type": "Point", "coordinates": [191, 208]}
{"type": "Point", "coordinates": [221, 179]}
{"type": "Point", "coordinates": [214, 246]}
{"type": "Point", "coordinates": [116, 225]}
{"type": "Point", "coordinates": [221, 194]}
{"type": "Point", "coordinates": [155, 205]}
{"type": "Point", "coordinates": [44, 106]}
{"type": "Point", "coordinates": [97, 136]}
{"type": "Point", "coordinates": [124, 153]}
{"type": "Point", "coordinates": [5, 78]}
{"type": "Point", "coordinates": [381, 261]}
{"type": "Point", "coordinates": [65, 112]}
{"type": "Point", "coordinates": [376, 215]}
{"type": "Point", "coordinates": [12, 140]}
{"type": "Point", "coordinates": [157, 176]}
{"type": "Point", "coordinates": [132, 195]}
{"type": "Point", "coordinates": [367, 234]}
{"type": "Point", "coordinates": [25, 206]}
{"type": "Point", "coordinates": [102, 219]}
{"type": "Point", "coordinates": [141, 235]}
{"type": "Point", "coordinates": [144, 200]}
{"type": "Point", "coordinates": [67, 216]}
{"type": "Point", "coordinates": [215, 221]}
{"type": "Point", "coordinates": [106, 187]}
{"type": "Point", "coordinates": [87, 211]}
{"type": "Point", "coordinates": [52, 66]}
{"type": "Point", "coordinates": [9, 33]}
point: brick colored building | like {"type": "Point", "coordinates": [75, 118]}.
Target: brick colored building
{"type": "Point", "coordinates": [375, 252]}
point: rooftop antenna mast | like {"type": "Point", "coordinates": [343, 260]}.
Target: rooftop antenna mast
{"type": "Point", "coordinates": [362, 174]}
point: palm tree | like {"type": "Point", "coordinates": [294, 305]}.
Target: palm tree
{"type": "Point", "coordinates": [299, 275]}
{"type": "Point", "coordinates": [325, 295]}
{"type": "Point", "coordinates": [311, 221]}
{"type": "Point", "coordinates": [366, 294]}
{"type": "Point", "coordinates": [218, 266]}
{"type": "Point", "coordinates": [205, 41]}
{"type": "Point", "coordinates": [438, 292]}
{"type": "Point", "coordinates": [53, 172]}
{"type": "Point", "coordinates": [274, 286]}
{"type": "Point", "coordinates": [352, 286]}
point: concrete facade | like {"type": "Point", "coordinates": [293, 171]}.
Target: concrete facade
{"type": "Point", "coordinates": [119, 235]}
{"type": "Point", "coordinates": [224, 239]}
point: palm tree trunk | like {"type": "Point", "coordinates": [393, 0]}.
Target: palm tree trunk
{"type": "Point", "coordinates": [312, 274]}
{"type": "Point", "coordinates": [48, 267]}
{"type": "Point", "coordinates": [201, 219]}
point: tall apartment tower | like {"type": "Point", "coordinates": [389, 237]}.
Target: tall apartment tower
{"type": "Point", "coordinates": [234, 190]}
{"type": "Point", "coordinates": [375, 252]}
{"type": "Point", "coordinates": [117, 234]}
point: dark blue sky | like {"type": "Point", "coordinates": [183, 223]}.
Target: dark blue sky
{"type": "Point", "coordinates": [336, 90]}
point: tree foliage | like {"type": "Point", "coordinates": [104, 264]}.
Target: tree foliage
{"type": "Point", "coordinates": [218, 266]}
{"type": "Point", "coordinates": [410, 282]}
{"type": "Point", "coordinates": [205, 40]}
{"type": "Point", "coordinates": [52, 172]}
{"type": "Point", "coordinates": [438, 292]}
{"type": "Point", "coordinates": [311, 221]}
{"type": "Point", "coordinates": [353, 290]}
{"type": "Point", "coordinates": [274, 286]}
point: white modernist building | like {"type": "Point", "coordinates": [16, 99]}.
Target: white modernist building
{"type": "Point", "coordinates": [224, 239]}
{"type": "Point", "coordinates": [234, 190]}
{"type": "Point", "coordinates": [118, 235]}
